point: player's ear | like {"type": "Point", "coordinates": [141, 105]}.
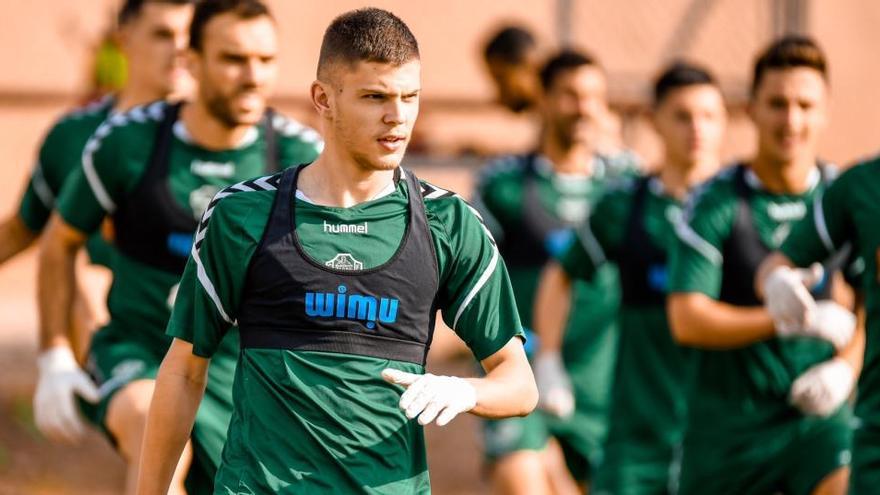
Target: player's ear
{"type": "Point", "coordinates": [320, 95]}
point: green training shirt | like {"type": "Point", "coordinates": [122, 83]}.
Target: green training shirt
{"type": "Point", "coordinates": [652, 372]}
{"type": "Point", "coordinates": [112, 166]}
{"type": "Point", "coordinates": [746, 388]}
{"type": "Point", "coordinates": [60, 154]}
{"type": "Point", "coordinates": [322, 422]}
{"type": "Point", "coordinates": [849, 211]}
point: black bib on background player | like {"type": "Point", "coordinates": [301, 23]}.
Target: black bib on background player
{"type": "Point", "coordinates": [524, 244]}
{"type": "Point", "coordinates": [642, 265]}
{"type": "Point", "coordinates": [743, 251]}
{"type": "Point", "coordinates": [150, 226]}
{"type": "Point", "coordinates": [291, 301]}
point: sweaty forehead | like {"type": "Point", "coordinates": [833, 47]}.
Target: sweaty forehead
{"type": "Point", "coordinates": [230, 33]}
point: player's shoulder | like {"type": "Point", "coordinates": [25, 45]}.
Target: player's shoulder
{"type": "Point", "coordinates": [239, 203]}
{"type": "Point", "coordinates": [292, 132]}
{"type": "Point", "coordinates": [131, 125]}
{"type": "Point", "coordinates": [79, 124]}
{"type": "Point", "coordinates": [502, 169]}
{"type": "Point", "coordinates": [867, 168]}
{"type": "Point", "coordinates": [246, 195]}
{"type": "Point", "coordinates": [717, 193]}
{"type": "Point", "coordinates": [621, 164]}
{"type": "Point", "coordinates": [447, 208]}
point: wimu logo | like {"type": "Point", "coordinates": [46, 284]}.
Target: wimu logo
{"type": "Point", "coordinates": [361, 307]}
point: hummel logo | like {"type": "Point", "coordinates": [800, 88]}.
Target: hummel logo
{"type": "Point", "coordinates": [345, 228]}
{"type": "Point", "coordinates": [212, 169]}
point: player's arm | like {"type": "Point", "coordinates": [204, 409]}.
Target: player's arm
{"type": "Point", "coordinates": [180, 386]}
{"type": "Point", "coordinates": [84, 201]}
{"type": "Point", "coordinates": [477, 302]}
{"type": "Point", "coordinates": [697, 320]}
{"type": "Point", "coordinates": [696, 316]}
{"type": "Point", "coordinates": [552, 305]}
{"type": "Point", "coordinates": [209, 290]}
{"type": "Point", "coordinates": [56, 281]}
{"type": "Point", "coordinates": [15, 237]}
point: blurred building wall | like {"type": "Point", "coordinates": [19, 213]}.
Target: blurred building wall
{"type": "Point", "coordinates": [46, 51]}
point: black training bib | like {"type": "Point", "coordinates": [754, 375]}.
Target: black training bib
{"type": "Point", "coordinates": [291, 301]}
{"type": "Point", "coordinates": [149, 225]}
{"type": "Point", "coordinates": [642, 265]}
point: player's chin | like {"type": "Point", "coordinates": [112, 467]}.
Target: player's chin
{"type": "Point", "coordinates": [249, 116]}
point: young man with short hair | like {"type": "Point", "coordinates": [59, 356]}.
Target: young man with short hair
{"type": "Point", "coordinates": [153, 35]}
{"type": "Point", "coordinates": [755, 424]}
{"type": "Point", "coordinates": [335, 326]}
{"type": "Point", "coordinates": [632, 227]}
{"type": "Point", "coordinates": [154, 170]}
{"type": "Point", "coordinates": [532, 202]}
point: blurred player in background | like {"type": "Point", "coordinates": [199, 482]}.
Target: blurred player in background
{"type": "Point", "coordinates": [847, 212]}
{"type": "Point", "coordinates": [154, 32]}
{"type": "Point", "coordinates": [756, 423]}
{"type": "Point", "coordinates": [531, 203]}
{"type": "Point", "coordinates": [299, 260]}
{"type": "Point", "coordinates": [512, 59]}
{"type": "Point", "coordinates": [632, 226]}
{"type": "Point", "coordinates": [153, 170]}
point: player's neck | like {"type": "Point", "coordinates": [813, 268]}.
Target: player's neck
{"type": "Point", "coordinates": [680, 177]}
{"type": "Point", "coordinates": [783, 177]}
{"type": "Point", "coordinates": [335, 181]}
{"type": "Point", "coordinates": [133, 95]}
{"type": "Point", "coordinates": [209, 132]}
{"type": "Point", "coordinates": [575, 158]}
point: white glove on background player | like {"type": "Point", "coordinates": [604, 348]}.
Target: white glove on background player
{"type": "Point", "coordinates": [55, 409]}
{"type": "Point", "coordinates": [787, 296]}
{"type": "Point", "coordinates": [823, 388]}
{"type": "Point", "coordinates": [555, 395]}
{"type": "Point", "coordinates": [830, 321]}
{"type": "Point", "coordinates": [432, 397]}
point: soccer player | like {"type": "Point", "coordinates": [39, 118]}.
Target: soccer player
{"type": "Point", "coordinates": [152, 32]}
{"type": "Point", "coordinates": [333, 273]}
{"type": "Point", "coordinates": [512, 60]}
{"type": "Point", "coordinates": [632, 226]}
{"type": "Point", "coordinates": [531, 203]}
{"type": "Point", "coordinates": [846, 212]}
{"type": "Point", "coordinates": [754, 424]}
{"type": "Point", "coordinates": [154, 170]}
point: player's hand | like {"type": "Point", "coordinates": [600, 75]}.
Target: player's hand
{"type": "Point", "coordinates": [831, 322]}
{"type": "Point", "coordinates": [60, 380]}
{"type": "Point", "coordinates": [823, 388]}
{"type": "Point", "coordinates": [555, 395]}
{"type": "Point", "coordinates": [787, 296]}
{"type": "Point", "coordinates": [432, 397]}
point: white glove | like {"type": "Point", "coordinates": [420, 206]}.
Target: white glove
{"type": "Point", "coordinates": [55, 408]}
{"type": "Point", "coordinates": [555, 395]}
{"type": "Point", "coordinates": [830, 321]}
{"type": "Point", "coordinates": [431, 396]}
{"type": "Point", "coordinates": [823, 388]}
{"type": "Point", "coordinates": [787, 295]}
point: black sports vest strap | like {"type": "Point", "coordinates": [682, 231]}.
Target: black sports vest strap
{"type": "Point", "coordinates": [642, 265]}
{"type": "Point", "coordinates": [523, 244]}
{"type": "Point", "coordinates": [283, 281]}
